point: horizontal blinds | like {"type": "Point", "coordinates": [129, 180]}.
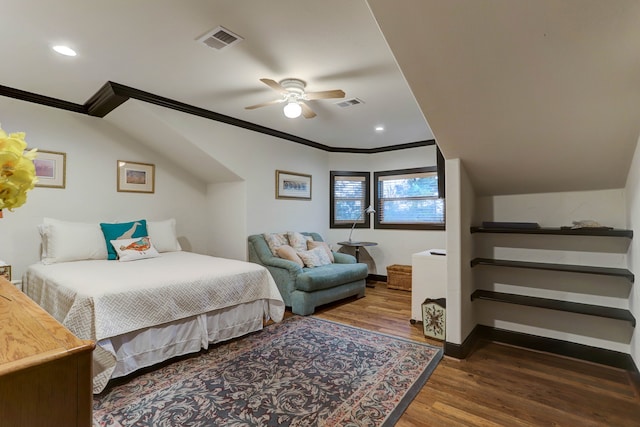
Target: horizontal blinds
{"type": "Point", "coordinates": [349, 198]}
{"type": "Point", "coordinates": [410, 199]}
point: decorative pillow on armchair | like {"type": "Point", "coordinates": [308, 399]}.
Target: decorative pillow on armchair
{"type": "Point", "coordinates": [315, 257]}
{"type": "Point", "coordinates": [298, 241]}
{"type": "Point", "coordinates": [287, 252]}
{"type": "Point", "coordinates": [313, 244]}
{"type": "Point", "coordinates": [275, 240]}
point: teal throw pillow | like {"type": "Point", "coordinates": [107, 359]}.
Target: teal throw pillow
{"type": "Point", "coordinates": [122, 230]}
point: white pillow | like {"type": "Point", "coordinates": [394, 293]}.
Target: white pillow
{"type": "Point", "coordinates": [134, 249]}
{"type": "Point", "coordinates": [163, 235]}
{"type": "Point", "coordinates": [64, 241]}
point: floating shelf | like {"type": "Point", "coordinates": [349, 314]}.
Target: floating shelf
{"type": "Point", "coordinates": [573, 307]}
{"type": "Point", "coordinates": [559, 231]}
{"type": "Point", "coordinates": [604, 271]}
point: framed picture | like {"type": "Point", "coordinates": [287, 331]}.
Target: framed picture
{"type": "Point", "coordinates": [5, 271]}
{"type": "Point", "coordinates": [291, 185]}
{"type": "Point", "coordinates": [136, 177]}
{"type": "Point", "coordinates": [434, 313]}
{"type": "Point", "coordinates": [51, 169]}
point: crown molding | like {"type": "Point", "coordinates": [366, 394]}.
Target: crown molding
{"type": "Point", "coordinates": [111, 95]}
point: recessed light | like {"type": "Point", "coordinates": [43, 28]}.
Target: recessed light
{"type": "Point", "coordinates": [64, 50]}
{"type": "Point", "coordinates": [379, 128]}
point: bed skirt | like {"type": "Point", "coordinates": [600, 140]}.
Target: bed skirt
{"type": "Point", "coordinates": [150, 346]}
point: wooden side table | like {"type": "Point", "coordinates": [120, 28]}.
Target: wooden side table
{"type": "Point", "coordinates": [357, 246]}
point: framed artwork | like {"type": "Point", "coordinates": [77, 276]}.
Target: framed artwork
{"type": "Point", "coordinates": [5, 271]}
{"type": "Point", "coordinates": [136, 177]}
{"type": "Point", "coordinates": [434, 318]}
{"type": "Point", "coordinates": [291, 185]}
{"type": "Point", "coordinates": [51, 169]}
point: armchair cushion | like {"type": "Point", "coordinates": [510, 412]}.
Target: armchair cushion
{"type": "Point", "coordinates": [329, 276]}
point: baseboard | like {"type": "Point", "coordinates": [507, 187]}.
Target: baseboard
{"type": "Point", "coordinates": [461, 351]}
{"type": "Point", "coordinates": [377, 278]}
{"type": "Point", "coordinates": [602, 356]}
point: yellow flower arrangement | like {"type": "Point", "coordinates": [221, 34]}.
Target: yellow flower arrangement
{"type": "Point", "coordinates": [17, 171]}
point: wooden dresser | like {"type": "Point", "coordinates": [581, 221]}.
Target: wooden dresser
{"type": "Point", "coordinates": [45, 371]}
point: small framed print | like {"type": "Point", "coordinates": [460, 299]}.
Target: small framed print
{"type": "Point", "coordinates": [136, 177]}
{"type": "Point", "coordinates": [434, 318]}
{"type": "Point", "coordinates": [50, 169]}
{"type": "Point", "coordinates": [291, 185]}
{"type": "Point", "coordinates": [5, 271]}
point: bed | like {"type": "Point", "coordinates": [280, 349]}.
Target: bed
{"type": "Point", "coordinates": [149, 310]}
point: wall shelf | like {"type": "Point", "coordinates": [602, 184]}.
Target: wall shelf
{"type": "Point", "coordinates": [606, 232]}
{"type": "Point", "coordinates": [543, 343]}
{"type": "Point", "coordinates": [604, 271]}
{"type": "Point", "coordinates": [572, 307]}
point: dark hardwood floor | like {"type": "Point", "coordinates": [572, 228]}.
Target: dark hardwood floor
{"type": "Point", "coordinates": [498, 385]}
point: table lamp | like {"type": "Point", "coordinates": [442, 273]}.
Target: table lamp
{"type": "Point", "coordinates": [369, 210]}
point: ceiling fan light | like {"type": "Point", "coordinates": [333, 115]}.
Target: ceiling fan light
{"type": "Point", "coordinates": [64, 50]}
{"type": "Point", "coordinates": [292, 110]}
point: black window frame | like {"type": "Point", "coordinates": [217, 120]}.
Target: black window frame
{"type": "Point", "coordinates": [364, 221]}
{"type": "Point", "coordinates": [439, 169]}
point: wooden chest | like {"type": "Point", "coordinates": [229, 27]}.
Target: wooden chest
{"type": "Point", "coordinates": [45, 371]}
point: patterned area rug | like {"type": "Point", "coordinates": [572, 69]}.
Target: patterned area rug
{"type": "Point", "coordinates": [303, 371]}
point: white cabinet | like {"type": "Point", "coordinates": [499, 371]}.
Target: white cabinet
{"type": "Point", "coordinates": [429, 280]}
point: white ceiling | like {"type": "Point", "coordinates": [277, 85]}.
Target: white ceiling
{"type": "Point", "coordinates": [151, 45]}
{"type": "Point", "coordinates": [533, 96]}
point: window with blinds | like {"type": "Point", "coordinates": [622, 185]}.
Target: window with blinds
{"type": "Point", "coordinates": [409, 199]}
{"type": "Point", "coordinates": [349, 195]}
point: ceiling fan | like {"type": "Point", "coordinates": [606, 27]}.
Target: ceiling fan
{"type": "Point", "coordinates": [293, 93]}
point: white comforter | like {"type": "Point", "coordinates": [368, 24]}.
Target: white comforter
{"type": "Point", "coordinates": [98, 299]}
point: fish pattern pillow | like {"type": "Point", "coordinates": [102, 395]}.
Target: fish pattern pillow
{"type": "Point", "coordinates": [134, 249]}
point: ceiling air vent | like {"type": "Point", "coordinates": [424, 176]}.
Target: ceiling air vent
{"type": "Point", "coordinates": [220, 38]}
{"type": "Point", "coordinates": [349, 102]}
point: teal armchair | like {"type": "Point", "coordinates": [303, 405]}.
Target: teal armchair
{"type": "Point", "coordinates": [303, 289]}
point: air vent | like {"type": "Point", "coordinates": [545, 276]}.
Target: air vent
{"type": "Point", "coordinates": [220, 38]}
{"type": "Point", "coordinates": [349, 102]}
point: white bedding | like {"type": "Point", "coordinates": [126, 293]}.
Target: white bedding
{"type": "Point", "coordinates": [100, 299]}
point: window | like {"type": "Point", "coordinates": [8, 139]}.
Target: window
{"type": "Point", "coordinates": [409, 199]}
{"type": "Point", "coordinates": [349, 195]}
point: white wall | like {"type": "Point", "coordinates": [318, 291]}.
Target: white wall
{"type": "Point", "coordinates": [555, 210]}
{"type": "Point", "coordinates": [255, 157]}
{"type": "Point", "coordinates": [460, 210]}
{"type": "Point", "coordinates": [240, 210]}
{"type": "Point", "coordinates": [93, 147]}
{"type": "Point", "coordinates": [633, 223]}
{"type": "Point", "coordinates": [394, 246]}
{"type": "Point", "coordinates": [213, 217]}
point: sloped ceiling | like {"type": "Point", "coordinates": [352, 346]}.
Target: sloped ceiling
{"type": "Point", "coordinates": [532, 96]}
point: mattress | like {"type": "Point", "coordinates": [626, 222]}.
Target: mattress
{"type": "Point", "coordinates": [107, 301]}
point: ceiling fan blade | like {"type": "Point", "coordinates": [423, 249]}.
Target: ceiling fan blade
{"type": "Point", "coordinates": [274, 85]}
{"type": "Point", "coordinates": [264, 104]}
{"type": "Point", "coordinates": [307, 112]}
{"type": "Point", "coordinates": [326, 94]}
